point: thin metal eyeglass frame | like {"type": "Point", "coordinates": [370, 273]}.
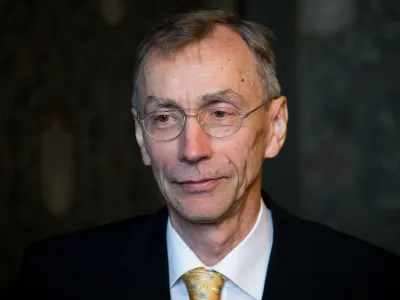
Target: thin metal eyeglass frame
{"type": "Point", "coordinates": [201, 123]}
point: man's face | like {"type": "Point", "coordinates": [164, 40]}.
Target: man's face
{"type": "Point", "coordinates": [204, 178]}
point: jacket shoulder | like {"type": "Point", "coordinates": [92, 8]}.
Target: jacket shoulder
{"type": "Point", "coordinates": [326, 250]}
{"type": "Point", "coordinates": [94, 243]}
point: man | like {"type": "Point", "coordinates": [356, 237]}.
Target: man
{"type": "Point", "coordinates": [208, 111]}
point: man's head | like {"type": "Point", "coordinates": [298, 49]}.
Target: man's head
{"type": "Point", "coordinates": [197, 61]}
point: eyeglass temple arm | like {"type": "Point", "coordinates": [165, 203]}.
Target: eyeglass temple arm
{"type": "Point", "coordinates": [138, 118]}
{"type": "Point", "coordinates": [245, 115]}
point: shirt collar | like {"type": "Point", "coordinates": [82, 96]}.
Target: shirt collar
{"type": "Point", "coordinates": [245, 265]}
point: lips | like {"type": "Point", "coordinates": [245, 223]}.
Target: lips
{"type": "Point", "coordinates": [199, 186]}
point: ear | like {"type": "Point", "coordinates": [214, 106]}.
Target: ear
{"type": "Point", "coordinates": [277, 126]}
{"type": "Point", "coordinates": [140, 139]}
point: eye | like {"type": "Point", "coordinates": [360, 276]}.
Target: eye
{"type": "Point", "coordinates": [162, 118]}
{"type": "Point", "coordinates": [219, 114]}
{"type": "Point", "coordinates": [165, 116]}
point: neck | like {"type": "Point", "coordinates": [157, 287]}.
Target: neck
{"type": "Point", "coordinates": [212, 242]}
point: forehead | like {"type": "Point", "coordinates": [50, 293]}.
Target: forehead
{"type": "Point", "coordinates": [219, 62]}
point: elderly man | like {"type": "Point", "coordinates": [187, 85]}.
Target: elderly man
{"type": "Point", "coordinates": [208, 111]}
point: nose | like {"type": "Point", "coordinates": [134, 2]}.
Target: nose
{"type": "Point", "coordinates": [195, 144]}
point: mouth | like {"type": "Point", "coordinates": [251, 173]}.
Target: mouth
{"type": "Point", "coordinates": [200, 186]}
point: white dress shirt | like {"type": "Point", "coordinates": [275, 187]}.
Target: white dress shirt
{"type": "Point", "coordinates": [245, 266]}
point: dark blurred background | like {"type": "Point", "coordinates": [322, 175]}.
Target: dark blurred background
{"type": "Point", "coordinates": [68, 156]}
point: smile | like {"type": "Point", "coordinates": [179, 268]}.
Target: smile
{"type": "Point", "coordinates": [199, 186]}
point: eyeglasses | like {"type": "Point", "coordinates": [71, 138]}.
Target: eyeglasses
{"type": "Point", "coordinates": [217, 122]}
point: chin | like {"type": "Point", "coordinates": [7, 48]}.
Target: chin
{"type": "Point", "coordinates": [201, 210]}
{"type": "Point", "coordinates": [203, 218]}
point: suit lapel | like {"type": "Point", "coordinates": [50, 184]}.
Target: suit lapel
{"type": "Point", "coordinates": [146, 260]}
{"type": "Point", "coordinates": [281, 280]}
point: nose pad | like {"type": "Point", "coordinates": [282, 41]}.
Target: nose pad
{"type": "Point", "coordinates": [193, 115]}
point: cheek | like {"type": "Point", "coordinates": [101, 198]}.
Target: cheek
{"type": "Point", "coordinates": [235, 154]}
{"type": "Point", "coordinates": [247, 154]}
{"type": "Point", "coordinates": [161, 154]}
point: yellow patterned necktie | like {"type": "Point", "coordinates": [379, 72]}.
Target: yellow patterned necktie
{"type": "Point", "coordinates": [204, 285]}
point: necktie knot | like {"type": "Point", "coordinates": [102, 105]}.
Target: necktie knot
{"type": "Point", "coordinates": [204, 285]}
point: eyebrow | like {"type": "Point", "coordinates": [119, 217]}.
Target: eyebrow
{"type": "Point", "coordinates": [227, 95]}
{"type": "Point", "coordinates": [161, 102]}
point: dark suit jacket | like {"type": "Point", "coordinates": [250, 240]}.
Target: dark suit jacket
{"type": "Point", "coordinates": [128, 260]}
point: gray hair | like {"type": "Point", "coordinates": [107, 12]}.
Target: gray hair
{"type": "Point", "coordinates": [175, 33]}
